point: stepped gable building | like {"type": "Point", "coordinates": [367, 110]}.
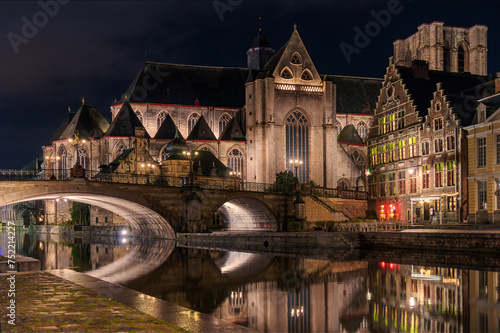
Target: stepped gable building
{"type": "Point", "coordinates": [417, 143]}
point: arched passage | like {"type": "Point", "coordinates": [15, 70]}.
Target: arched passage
{"type": "Point", "coordinates": [135, 210]}
{"type": "Point", "coordinates": [245, 214]}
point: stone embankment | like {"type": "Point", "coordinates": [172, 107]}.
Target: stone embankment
{"type": "Point", "coordinates": [21, 264]}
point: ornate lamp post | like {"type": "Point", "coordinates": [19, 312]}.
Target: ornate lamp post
{"type": "Point", "coordinates": [190, 155]}
{"type": "Point", "coordinates": [296, 164]}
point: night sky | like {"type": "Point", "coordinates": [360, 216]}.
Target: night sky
{"type": "Point", "coordinates": [94, 49]}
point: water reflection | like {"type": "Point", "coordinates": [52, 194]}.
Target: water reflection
{"type": "Point", "coordinates": [271, 293]}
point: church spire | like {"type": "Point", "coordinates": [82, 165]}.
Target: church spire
{"type": "Point", "coordinates": [260, 52]}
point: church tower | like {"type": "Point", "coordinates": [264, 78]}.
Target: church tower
{"type": "Point", "coordinates": [260, 52]}
{"type": "Point", "coordinates": [448, 49]}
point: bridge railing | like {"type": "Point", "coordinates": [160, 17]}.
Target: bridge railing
{"type": "Point", "coordinates": [158, 180]}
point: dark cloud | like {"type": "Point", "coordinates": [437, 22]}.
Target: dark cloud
{"type": "Point", "coordinates": [93, 49]}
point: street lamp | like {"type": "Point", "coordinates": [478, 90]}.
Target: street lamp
{"type": "Point", "coordinates": [148, 168]}
{"type": "Point", "coordinates": [190, 155]}
{"type": "Point", "coordinates": [296, 164]}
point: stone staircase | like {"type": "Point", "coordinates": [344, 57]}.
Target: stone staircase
{"type": "Point", "coordinates": [334, 208]}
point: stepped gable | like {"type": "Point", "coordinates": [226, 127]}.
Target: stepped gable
{"type": "Point", "coordinates": [356, 94]}
{"type": "Point", "coordinates": [458, 88]}
{"type": "Point", "coordinates": [201, 131]}
{"type": "Point", "coordinates": [88, 122]}
{"type": "Point", "coordinates": [349, 135]}
{"type": "Point", "coordinates": [232, 132]}
{"type": "Point", "coordinates": [183, 84]}
{"type": "Point", "coordinates": [125, 122]}
{"type": "Point", "coordinates": [167, 130]}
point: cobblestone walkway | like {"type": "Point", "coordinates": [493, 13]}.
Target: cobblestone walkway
{"type": "Point", "coordinates": [47, 303]}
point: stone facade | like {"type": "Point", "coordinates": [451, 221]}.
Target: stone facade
{"type": "Point", "coordinates": [451, 49]}
{"type": "Point", "coordinates": [484, 161]}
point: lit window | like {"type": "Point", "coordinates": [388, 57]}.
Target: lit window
{"type": "Point", "coordinates": [450, 173]}
{"type": "Point", "coordinates": [481, 152]}
{"type": "Point", "coordinates": [297, 143]}
{"type": "Point", "coordinates": [235, 161]}
{"type": "Point", "coordinates": [438, 173]}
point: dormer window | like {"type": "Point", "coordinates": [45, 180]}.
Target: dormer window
{"type": "Point", "coordinates": [306, 75]}
{"type": "Point", "coordinates": [296, 59]}
{"type": "Point", "coordinates": [286, 74]}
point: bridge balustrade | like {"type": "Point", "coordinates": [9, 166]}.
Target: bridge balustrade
{"type": "Point", "coordinates": [160, 180]}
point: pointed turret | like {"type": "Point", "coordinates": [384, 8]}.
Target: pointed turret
{"type": "Point", "coordinates": [125, 122]}
{"type": "Point", "coordinates": [88, 122]}
{"type": "Point", "coordinates": [260, 52]}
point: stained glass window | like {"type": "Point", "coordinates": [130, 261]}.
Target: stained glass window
{"type": "Point", "coordinates": [297, 144]}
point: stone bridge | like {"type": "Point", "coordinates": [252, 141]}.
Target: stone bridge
{"type": "Point", "coordinates": [161, 210]}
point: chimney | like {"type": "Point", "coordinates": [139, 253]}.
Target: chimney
{"type": "Point", "coordinates": [420, 69]}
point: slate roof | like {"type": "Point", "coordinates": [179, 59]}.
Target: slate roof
{"type": "Point", "coordinates": [274, 61]}
{"type": "Point", "coordinates": [57, 134]}
{"type": "Point", "coordinates": [349, 135]}
{"type": "Point", "coordinates": [88, 122]}
{"type": "Point", "coordinates": [461, 89]}
{"type": "Point", "coordinates": [125, 122]}
{"type": "Point", "coordinates": [167, 129]}
{"type": "Point", "coordinates": [123, 156]}
{"type": "Point", "coordinates": [356, 94]}
{"type": "Point", "coordinates": [207, 161]}
{"type": "Point", "coordinates": [201, 131]}
{"type": "Point", "coordinates": [260, 40]}
{"type": "Point", "coordinates": [232, 132]}
{"type": "Point", "coordinates": [182, 84]}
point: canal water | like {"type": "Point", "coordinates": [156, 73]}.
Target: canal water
{"type": "Point", "coordinates": [280, 293]}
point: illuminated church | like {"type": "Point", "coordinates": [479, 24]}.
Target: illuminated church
{"type": "Point", "coordinates": [252, 120]}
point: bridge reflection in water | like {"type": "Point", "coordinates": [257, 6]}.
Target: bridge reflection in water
{"type": "Point", "coordinates": [283, 293]}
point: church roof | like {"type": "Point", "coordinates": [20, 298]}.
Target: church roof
{"type": "Point", "coordinates": [349, 135]}
{"type": "Point", "coordinates": [125, 122]}
{"type": "Point", "coordinates": [167, 129]}
{"type": "Point", "coordinates": [123, 156]}
{"type": "Point", "coordinates": [274, 61]}
{"type": "Point", "coordinates": [356, 94]}
{"type": "Point", "coordinates": [88, 122]}
{"type": "Point", "coordinates": [182, 84]}
{"type": "Point", "coordinates": [57, 134]}
{"type": "Point", "coordinates": [459, 88]}
{"type": "Point", "coordinates": [232, 132]}
{"type": "Point", "coordinates": [177, 146]}
{"type": "Point", "coordinates": [208, 161]}
{"type": "Point", "coordinates": [260, 40]}
{"type": "Point", "coordinates": [201, 131]}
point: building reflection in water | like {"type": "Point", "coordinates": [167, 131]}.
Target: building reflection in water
{"type": "Point", "coordinates": [286, 294]}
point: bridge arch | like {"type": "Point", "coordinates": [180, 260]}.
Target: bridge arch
{"type": "Point", "coordinates": [244, 212]}
{"type": "Point", "coordinates": [143, 217]}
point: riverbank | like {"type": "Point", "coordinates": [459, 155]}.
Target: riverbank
{"type": "Point", "coordinates": [67, 301]}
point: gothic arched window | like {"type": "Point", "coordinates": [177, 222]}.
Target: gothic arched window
{"type": "Point", "coordinates": [446, 59]}
{"type": "Point", "coordinates": [223, 121]}
{"type": "Point", "coordinates": [343, 183]}
{"type": "Point", "coordinates": [63, 158]}
{"type": "Point", "coordinates": [161, 117]}
{"type": "Point", "coordinates": [206, 148]}
{"type": "Point", "coordinates": [139, 115]}
{"type": "Point", "coordinates": [286, 74]}
{"type": "Point", "coordinates": [297, 144]}
{"type": "Point", "coordinates": [192, 120]}
{"type": "Point", "coordinates": [362, 129]}
{"type": "Point", "coordinates": [296, 59]}
{"type": "Point", "coordinates": [82, 157]}
{"type": "Point", "coordinates": [164, 154]}
{"type": "Point", "coordinates": [119, 148]}
{"type": "Point", "coordinates": [235, 161]}
{"type": "Point", "coordinates": [339, 127]}
{"type": "Point", "coordinates": [306, 75]}
{"type": "Point", "coordinates": [461, 59]}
